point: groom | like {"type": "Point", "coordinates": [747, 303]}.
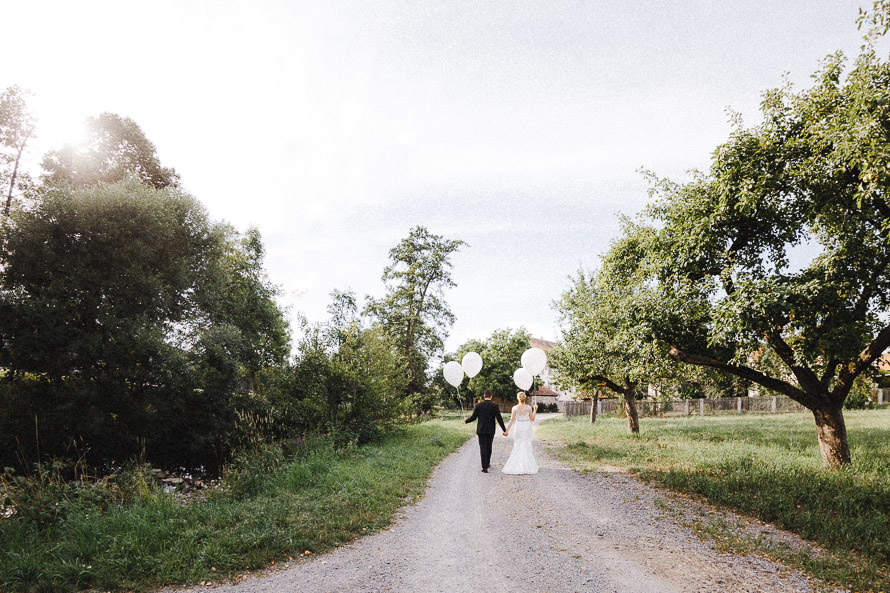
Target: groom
{"type": "Point", "coordinates": [487, 412]}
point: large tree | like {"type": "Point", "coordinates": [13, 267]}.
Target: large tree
{"type": "Point", "coordinates": [235, 293]}
{"type": "Point", "coordinates": [413, 311]}
{"type": "Point", "coordinates": [785, 244]}
{"type": "Point", "coordinates": [129, 320]}
{"type": "Point", "coordinates": [116, 148]}
{"type": "Point", "coordinates": [16, 129]}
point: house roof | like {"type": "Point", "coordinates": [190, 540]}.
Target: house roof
{"type": "Point", "coordinates": [543, 391]}
{"type": "Point", "coordinates": [541, 343]}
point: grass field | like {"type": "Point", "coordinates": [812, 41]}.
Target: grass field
{"type": "Point", "coordinates": [267, 510]}
{"type": "Point", "coordinates": [763, 466]}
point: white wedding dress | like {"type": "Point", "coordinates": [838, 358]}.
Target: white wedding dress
{"type": "Point", "coordinates": [522, 458]}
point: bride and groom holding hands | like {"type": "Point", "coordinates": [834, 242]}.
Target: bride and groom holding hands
{"type": "Point", "coordinates": [486, 412]}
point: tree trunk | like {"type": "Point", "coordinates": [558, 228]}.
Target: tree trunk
{"type": "Point", "coordinates": [832, 432]}
{"type": "Point", "coordinates": [593, 403]}
{"type": "Point", "coordinates": [15, 172]}
{"type": "Point", "coordinates": [630, 407]}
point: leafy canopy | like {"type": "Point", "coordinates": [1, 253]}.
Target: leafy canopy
{"type": "Point", "coordinates": [414, 311]}
{"type": "Point", "coordinates": [116, 148]}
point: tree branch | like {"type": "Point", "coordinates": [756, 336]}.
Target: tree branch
{"type": "Point", "coordinates": [830, 370]}
{"type": "Point", "coordinates": [867, 292]}
{"type": "Point", "coordinates": [748, 373]}
{"type": "Point", "coordinates": [805, 376]}
{"type": "Point", "coordinates": [603, 379]}
{"type": "Point", "coordinates": [866, 357]}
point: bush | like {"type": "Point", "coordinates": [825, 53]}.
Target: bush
{"type": "Point", "coordinates": [46, 495]}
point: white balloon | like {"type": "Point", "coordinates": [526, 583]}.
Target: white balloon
{"type": "Point", "coordinates": [523, 379]}
{"type": "Point", "coordinates": [471, 363]}
{"type": "Point", "coordinates": [534, 360]}
{"type": "Point", "coordinates": [454, 373]}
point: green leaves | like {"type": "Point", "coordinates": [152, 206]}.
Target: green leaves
{"type": "Point", "coordinates": [414, 312]}
{"type": "Point", "coordinates": [603, 316]}
{"type": "Point", "coordinates": [125, 312]}
{"type": "Point", "coordinates": [116, 149]}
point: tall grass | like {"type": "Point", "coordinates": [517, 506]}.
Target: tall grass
{"type": "Point", "coordinates": [765, 466]}
{"type": "Point", "coordinates": [269, 508]}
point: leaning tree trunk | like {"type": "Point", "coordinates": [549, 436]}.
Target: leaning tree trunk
{"type": "Point", "coordinates": [630, 407]}
{"type": "Point", "coordinates": [832, 432]}
{"type": "Point", "coordinates": [593, 403]}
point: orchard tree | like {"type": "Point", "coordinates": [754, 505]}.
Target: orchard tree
{"type": "Point", "coordinates": [16, 129]}
{"type": "Point", "coordinates": [811, 178]}
{"type": "Point", "coordinates": [116, 148]}
{"type": "Point", "coordinates": [606, 342]}
{"type": "Point", "coordinates": [414, 312]}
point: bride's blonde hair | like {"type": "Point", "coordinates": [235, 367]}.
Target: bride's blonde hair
{"type": "Point", "coordinates": [521, 396]}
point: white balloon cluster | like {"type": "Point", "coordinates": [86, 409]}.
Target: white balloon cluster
{"type": "Point", "coordinates": [533, 362]}
{"type": "Point", "coordinates": [454, 371]}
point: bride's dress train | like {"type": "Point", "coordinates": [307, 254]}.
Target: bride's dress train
{"type": "Point", "coordinates": [522, 458]}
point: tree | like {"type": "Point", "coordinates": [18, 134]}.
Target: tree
{"type": "Point", "coordinates": [116, 148]}
{"type": "Point", "coordinates": [16, 129]}
{"type": "Point", "coordinates": [234, 292]}
{"type": "Point", "coordinates": [605, 340]}
{"type": "Point", "coordinates": [131, 320]}
{"type": "Point", "coordinates": [414, 312]}
{"type": "Point", "coordinates": [813, 172]}
{"type": "Point", "coordinates": [343, 310]}
{"type": "Point", "coordinates": [347, 379]}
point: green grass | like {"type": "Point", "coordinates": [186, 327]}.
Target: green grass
{"type": "Point", "coordinates": [319, 500]}
{"type": "Point", "coordinates": [767, 467]}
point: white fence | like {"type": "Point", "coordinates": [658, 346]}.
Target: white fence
{"type": "Point", "coordinates": [694, 407]}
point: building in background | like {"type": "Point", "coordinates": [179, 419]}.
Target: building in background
{"type": "Point", "coordinates": [548, 391]}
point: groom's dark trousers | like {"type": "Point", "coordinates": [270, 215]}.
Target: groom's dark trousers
{"type": "Point", "coordinates": [486, 412]}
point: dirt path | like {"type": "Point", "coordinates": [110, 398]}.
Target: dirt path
{"type": "Point", "coordinates": [557, 531]}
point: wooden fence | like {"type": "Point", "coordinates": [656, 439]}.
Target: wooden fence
{"type": "Point", "coordinates": [692, 407]}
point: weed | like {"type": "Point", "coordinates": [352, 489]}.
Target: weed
{"type": "Point", "coordinates": [273, 501]}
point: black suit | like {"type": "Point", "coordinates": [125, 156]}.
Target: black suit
{"type": "Point", "coordinates": [486, 412]}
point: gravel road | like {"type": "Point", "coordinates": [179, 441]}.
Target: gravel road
{"type": "Point", "coordinates": [554, 532]}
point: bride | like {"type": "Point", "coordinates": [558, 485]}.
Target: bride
{"type": "Point", "coordinates": [522, 459]}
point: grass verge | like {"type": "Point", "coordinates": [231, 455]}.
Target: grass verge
{"type": "Point", "coordinates": [767, 467]}
{"type": "Point", "coordinates": [267, 510]}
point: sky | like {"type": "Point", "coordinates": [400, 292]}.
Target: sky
{"type": "Point", "coordinates": [334, 127]}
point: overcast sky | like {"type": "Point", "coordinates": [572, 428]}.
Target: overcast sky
{"type": "Point", "coordinates": [334, 127]}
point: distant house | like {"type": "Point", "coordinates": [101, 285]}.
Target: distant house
{"type": "Point", "coordinates": [542, 395]}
